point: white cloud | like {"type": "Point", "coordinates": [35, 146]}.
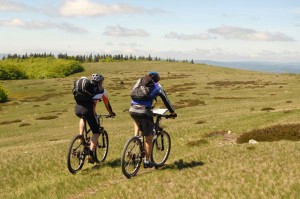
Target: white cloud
{"type": "Point", "coordinates": [6, 5]}
{"type": "Point", "coordinates": [89, 8]}
{"type": "Point", "coordinates": [109, 43]}
{"type": "Point", "coordinates": [42, 25]}
{"type": "Point", "coordinates": [119, 31]}
{"type": "Point", "coordinates": [123, 44]}
{"type": "Point", "coordinates": [174, 35]}
{"type": "Point", "coordinates": [231, 32]}
{"type": "Point", "coordinates": [12, 22]}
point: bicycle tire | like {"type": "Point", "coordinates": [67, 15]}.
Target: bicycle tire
{"type": "Point", "coordinates": [132, 157]}
{"type": "Point", "coordinates": [102, 147]}
{"type": "Point", "coordinates": [161, 147]}
{"type": "Point", "coordinates": [76, 154]}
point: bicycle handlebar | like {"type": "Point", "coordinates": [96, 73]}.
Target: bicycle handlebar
{"type": "Point", "coordinates": [105, 116]}
{"type": "Point", "coordinates": [166, 116]}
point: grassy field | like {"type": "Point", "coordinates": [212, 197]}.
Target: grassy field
{"type": "Point", "coordinates": [214, 105]}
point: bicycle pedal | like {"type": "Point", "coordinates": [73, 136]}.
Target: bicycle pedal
{"type": "Point", "coordinates": [91, 160]}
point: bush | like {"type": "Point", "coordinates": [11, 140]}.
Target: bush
{"type": "Point", "coordinates": [3, 95]}
{"type": "Point", "coordinates": [272, 133]}
{"type": "Point", "coordinates": [11, 71]}
{"type": "Point", "coordinates": [38, 68]}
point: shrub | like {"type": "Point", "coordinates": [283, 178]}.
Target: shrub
{"type": "Point", "coordinates": [11, 71]}
{"type": "Point", "coordinates": [272, 133]}
{"type": "Point", "coordinates": [38, 68]}
{"type": "Point", "coordinates": [267, 109]}
{"type": "Point", "coordinates": [3, 95]}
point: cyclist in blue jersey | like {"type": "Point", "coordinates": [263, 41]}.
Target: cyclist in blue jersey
{"type": "Point", "coordinates": [141, 113]}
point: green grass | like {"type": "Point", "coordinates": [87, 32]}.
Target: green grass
{"type": "Point", "coordinates": [215, 106]}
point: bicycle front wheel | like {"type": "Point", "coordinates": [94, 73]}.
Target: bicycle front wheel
{"type": "Point", "coordinates": [161, 146]}
{"type": "Point", "coordinates": [102, 147]}
{"type": "Point", "coordinates": [76, 154]}
{"type": "Point", "coordinates": [132, 157]}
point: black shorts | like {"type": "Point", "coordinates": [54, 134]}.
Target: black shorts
{"type": "Point", "coordinates": [86, 111]}
{"type": "Point", "coordinates": [145, 123]}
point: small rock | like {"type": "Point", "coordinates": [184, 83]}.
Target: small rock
{"type": "Point", "coordinates": [253, 141]}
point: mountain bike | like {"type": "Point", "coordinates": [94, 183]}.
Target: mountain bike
{"type": "Point", "coordinates": [80, 145]}
{"type": "Point", "coordinates": [134, 152]}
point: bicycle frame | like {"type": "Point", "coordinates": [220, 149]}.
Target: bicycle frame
{"type": "Point", "coordinates": [77, 155]}
{"type": "Point", "coordinates": [157, 128]}
{"type": "Point", "coordinates": [131, 158]}
{"type": "Point", "coordinates": [88, 130]}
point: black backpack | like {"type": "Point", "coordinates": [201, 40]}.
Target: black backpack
{"type": "Point", "coordinates": [141, 90]}
{"type": "Point", "coordinates": [83, 90]}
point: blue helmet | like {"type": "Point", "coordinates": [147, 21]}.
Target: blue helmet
{"type": "Point", "coordinates": [155, 76]}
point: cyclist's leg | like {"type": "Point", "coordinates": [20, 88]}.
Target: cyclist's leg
{"type": "Point", "coordinates": [81, 126]}
{"type": "Point", "coordinates": [136, 129]}
{"type": "Point", "coordinates": [136, 122]}
{"type": "Point", "coordinates": [81, 111]}
{"type": "Point", "coordinates": [92, 121]}
{"type": "Point", "coordinates": [146, 126]}
{"type": "Point", "coordinates": [148, 147]}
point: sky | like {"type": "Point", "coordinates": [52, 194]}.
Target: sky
{"type": "Point", "coordinates": [220, 30]}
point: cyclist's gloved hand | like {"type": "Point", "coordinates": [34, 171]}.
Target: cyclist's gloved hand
{"type": "Point", "coordinates": [174, 115]}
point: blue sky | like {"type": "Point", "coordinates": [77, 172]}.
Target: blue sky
{"type": "Point", "coordinates": [221, 30]}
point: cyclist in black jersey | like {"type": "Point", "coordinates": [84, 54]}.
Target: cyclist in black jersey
{"type": "Point", "coordinates": [87, 111]}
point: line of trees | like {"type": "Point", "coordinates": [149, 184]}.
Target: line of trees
{"type": "Point", "coordinates": [93, 58]}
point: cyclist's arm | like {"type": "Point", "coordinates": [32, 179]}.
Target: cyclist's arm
{"type": "Point", "coordinates": [107, 104]}
{"type": "Point", "coordinates": [166, 101]}
{"type": "Point", "coordinates": [94, 106]}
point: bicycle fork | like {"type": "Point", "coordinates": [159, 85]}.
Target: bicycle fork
{"type": "Point", "coordinates": [160, 145]}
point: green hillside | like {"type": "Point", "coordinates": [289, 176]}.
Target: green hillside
{"type": "Point", "coordinates": [215, 106]}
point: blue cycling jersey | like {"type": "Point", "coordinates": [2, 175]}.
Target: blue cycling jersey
{"type": "Point", "coordinates": [155, 90]}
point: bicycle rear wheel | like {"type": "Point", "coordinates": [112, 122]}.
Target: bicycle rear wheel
{"type": "Point", "coordinates": [161, 146]}
{"type": "Point", "coordinates": [102, 147]}
{"type": "Point", "coordinates": [132, 157]}
{"type": "Point", "coordinates": [76, 154]}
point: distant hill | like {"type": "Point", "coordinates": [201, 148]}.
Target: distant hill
{"type": "Point", "coordinates": [273, 67]}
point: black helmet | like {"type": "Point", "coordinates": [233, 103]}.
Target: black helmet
{"type": "Point", "coordinates": [155, 76]}
{"type": "Point", "coordinates": [97, 77]}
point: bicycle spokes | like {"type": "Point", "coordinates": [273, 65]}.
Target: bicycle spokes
{"type": "Point", "coordinates": [160, 143]}
{"type": "Point", "coordinates": [131, 157]}
{"type": "Point", "coordinates": [161, 148]}
{"type": "Point", "coordinates": [77, 154]}
{"type": "Point", "coordinates": [102, 147]}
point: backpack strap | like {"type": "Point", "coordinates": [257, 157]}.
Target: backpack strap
{"type": "Point", "coordinates": [83, 86]}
